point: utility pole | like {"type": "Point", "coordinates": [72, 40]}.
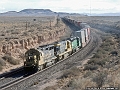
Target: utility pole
{"type": "Point", "coordinates": [50, 23]}
{"type": "Point", "coordinates": [57, 20]}
{"type": "Point", "coordinates": [26, 25]}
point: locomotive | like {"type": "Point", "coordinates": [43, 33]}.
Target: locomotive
{"type": "Point", "coordinates": [46, 55]}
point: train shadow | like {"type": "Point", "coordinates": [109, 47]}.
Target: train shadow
{"type": "Point", "coordinates": [28, 73]}
{"type": "Point", "coordinates": [22, 73]}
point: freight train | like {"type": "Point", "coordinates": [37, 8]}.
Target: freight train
{"type": "Point", "coordinates": [46, 55]}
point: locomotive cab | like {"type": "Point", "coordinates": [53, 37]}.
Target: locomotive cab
{"type": "Point", "coordinates": [32, 58]}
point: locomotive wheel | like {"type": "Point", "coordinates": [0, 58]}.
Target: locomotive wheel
{"type": "Point", "coordinates": [53, 61]}
{"type": "Point", "coordinates": [66, 55]}
{"type": "Point", "coordinates": [56, 60]}
{"type": "Point", "coordinates": [41, 67]}
{"type": "Point", "coordinates": [61, 57]}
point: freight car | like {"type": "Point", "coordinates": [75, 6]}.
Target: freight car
{"type": "Point", "coordinates": [46, 55]}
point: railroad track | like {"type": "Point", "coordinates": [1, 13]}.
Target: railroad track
{"type": "Point", "coordinates": [9, 73]}
{"type": "Point", "coordinates": [24, 83]}
{"type": "Point", "coordinates": [10, 77]}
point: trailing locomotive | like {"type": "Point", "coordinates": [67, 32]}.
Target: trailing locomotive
{"type": "Point", "coordinates": [46, 55]}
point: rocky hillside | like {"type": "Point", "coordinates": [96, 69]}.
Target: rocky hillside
{"type": "Point", "coordinates": [36, 12]}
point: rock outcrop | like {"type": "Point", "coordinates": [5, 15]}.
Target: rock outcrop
{"type": "Point", "coordinates": [18, 47]}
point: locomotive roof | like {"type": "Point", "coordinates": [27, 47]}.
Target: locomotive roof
{"type": "Point", "coordinates": [32, 51]}
{"type": "Point", "coordinates": [48, 45]}
{"type": "Point", "coordinates": [43, 47]}
{"type": "Point", "coordinates": [80, 30]}
{"type": "Point", "coordinates": [71, 38]}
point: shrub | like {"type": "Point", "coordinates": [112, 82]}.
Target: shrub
{"type": "Point", "coordinates": [96, 55]}
{"type": "Point", "coordinates": [90, 67]}
{"type": "Point", "coordinates": [114, 53]}
{"type": "Point", "coordinates": [22, 56]}
{"type": "Point", "coordinates": [87, 74]}
{"type": "Point", "coordinates": [15, 32]}
{"type": "Point", "coordinates": [101, 51]}
{"type": "Point", "coordinates": [100, 78]}
{"type": "Point", "coordinates": [92, 61]}
{"type": "Point", "coordinates": [71, 72]}
{"type": "Point", "coordinates": [79, 84]}
{"type": "Point", "coordinates": [2, 62]}
{"type": "Point", "coordinates": [107, 49]}
{"type": "Point", "coordinates": [50, 88]}
{"type": "Point", "coordinates": [97, 62]}
{"type": "Point", "coordinates": [10, 59]}
{"type": "Point", "coordinates": [101, 62]}
{"type": "Point", "coordinates": [0, 67]}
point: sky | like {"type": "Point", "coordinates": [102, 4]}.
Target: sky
{"type": "Point", "coordinates": [70, 6]}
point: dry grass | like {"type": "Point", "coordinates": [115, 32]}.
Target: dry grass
{"type": "Point", "coordinates": [90, 67]}
{"type": "Point", "coordinates": [74, 71]}
{"type": "Point", "coordinates": [113, 79]}
{"type": "Point", "coordinates": [94, 61]}
{"type": "Point", "coordinates": [22, 26]}
{"type": "Point", "coordinates": [106, 58]}
{"type": "Point", "coordinates": [79, 84]}
{"type": "Point", "coordinates": [2, 63]}
{"type": "Point", "coordinates": [1, 68]}
{"type": "Point", "coordinates": [100, 78]}
{"type": "Point", "coordinates": [50, 88]}
{"type": "Point", "coordinates": [10, 59]}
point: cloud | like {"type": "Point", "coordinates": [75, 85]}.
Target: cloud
{"type": "Point", "coordinates": [78, 6]}
{"type": "Point", "coordinates": [105, 6]}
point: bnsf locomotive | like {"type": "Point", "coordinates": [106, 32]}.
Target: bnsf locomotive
{"type": "Point", "coordinates": [46, 55]}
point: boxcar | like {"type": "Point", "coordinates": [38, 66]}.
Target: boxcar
{"type": "Point", "coordinates": [81, 35]}
{"type": "Point", "coordinates": [86, 35]}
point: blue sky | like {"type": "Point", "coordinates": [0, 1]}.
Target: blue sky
{"type": "Point", "coordinates": [71, 6]}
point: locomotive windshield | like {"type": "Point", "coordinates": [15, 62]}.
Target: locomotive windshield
{"type": "Point", "coordinates": [57, 48]}
{"type": "Point", "coordinates": [29, 58]}
{"type": "Point", "coordinates": [32, 56]}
